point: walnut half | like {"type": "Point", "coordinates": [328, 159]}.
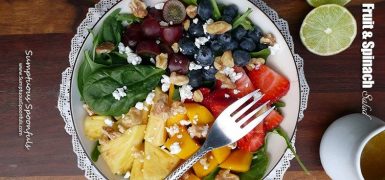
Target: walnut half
{"type": "Point", "coordinates": [138, 8]}
{"type": "Point", "coordinates": [219, 27]}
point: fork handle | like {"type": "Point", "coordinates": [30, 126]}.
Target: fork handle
{"type": "Point", "coordinates": [188, 164]}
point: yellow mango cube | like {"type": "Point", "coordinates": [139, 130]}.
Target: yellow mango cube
{"type": "Point", "coordinates": [175, 119]}
{"type": "Point", "coordinates": [187, 144]}
{"type": "Point", "coordinates": [221, 154]}
{"type": "Point", "coordinates": [199, 114]}
{"type": "Point", "coordinates": [190, 176]}
{"type": "Point", "coordinates": [238, 161]}
{"type": "Point", "coordinates": [205, 165]}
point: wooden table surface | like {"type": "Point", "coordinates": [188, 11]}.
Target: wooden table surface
{"type": "Point", "coordinates": [46, 27]}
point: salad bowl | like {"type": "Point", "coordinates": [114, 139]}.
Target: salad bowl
{"type": "Point", "coordinates": [283, 60]}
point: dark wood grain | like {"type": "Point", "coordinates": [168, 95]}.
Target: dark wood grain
{"type": "Point", "coordinates": [46, 27]}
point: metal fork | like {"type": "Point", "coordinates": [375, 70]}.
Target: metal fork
{"type": "Point", "coordinates": [228, 128]}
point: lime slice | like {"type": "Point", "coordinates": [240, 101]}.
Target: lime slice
{"type": "Point", "coordinates": [328, 30]}
{"type": "Point", "coordinates": [316, 3]}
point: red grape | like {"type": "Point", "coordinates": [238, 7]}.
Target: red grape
{"type": "Point", "coordinates": [151, 27]}
{"type": "Point", "coordinates": [132, 34]}
{"type": "Point", "coordinates": [147, 48]}
{"type": "Point", "coordinates": [171, 34]}
{"type": "Point", "coordinates": [178, 63]}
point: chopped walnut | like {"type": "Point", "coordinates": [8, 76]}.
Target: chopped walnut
{"type": "Point", "coordinates": [132, 118]}
{"type": "Point", "coordinates": [161, 61]}
{"type": "Point", "coordinates": [121, 129]}
{"type": "Point", "coordinates": [105, 47]}
{"type": "Point", "coordinates": [226, 81]}
{"type": "Point", "coordinates": [110, 133]}
{"type": "Point", "coordinates": [138, 8]}
{"type": "Point", "coordinates": [178, 108]}
{"type": "Point", "coordinates": [198, 96]}
{"type": "Point", "coordinates": [175, 47]}
{"type": "Point", "coordinates": [161, 109]}
{"type": "Point", "coordinates": [186, 24]}
{"type": "Point", "coordinates": [254, 63]}
{"type": "Point", "coordinates": [217, 63]}
{"type": "Point", "coordinates": [226, 60]}
{"type": "Point", "coordinates": [178, 80]}
{"type": "Point", "coordinates": [219, 27]}
{"type": "Point", "coordinates": [191, 11]}
{"type": "Point", "coordinates": [226, 175]}
{"type": "Point", "coordinates": [89, 111]}
{"type": "Point", "coordinates": [268, 39]}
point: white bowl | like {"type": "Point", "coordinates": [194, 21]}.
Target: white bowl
{"type": "Point", "coordinates": [283, 62]}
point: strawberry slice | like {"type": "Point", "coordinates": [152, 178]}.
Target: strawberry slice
{"type": "Point", "coordinates": [272, 84]}
{"type": "Point", "coordinates": [253, 140]}
{"type": "Point", "coordinates": [244, 84]}
{"type": "Point", "coordinates": [217, 101]}
{"type": "Point", "coordinates": [272, 120]}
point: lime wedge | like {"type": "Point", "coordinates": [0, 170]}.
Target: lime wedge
{"type": "Point", "coordinates": [316, 3]}
{"type": "Point", "coordinates": [328, 30]}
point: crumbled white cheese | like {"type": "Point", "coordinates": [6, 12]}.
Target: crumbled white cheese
{"type": "Point", "coordinates": [209, 21]}
{"type": "Point", "coordinates": [200, 41]}
{"type": "Point", "coordinates": [195, 119]}
{"type": "Point", "coordinates": [124, 49]}
{"type": "Point", "coordinates": [194, 66]}
{"type": "Point", "coordinates": [125, 23]}
{"type": "Point", "coordinates": [159, 6]}
{"type": "Point", "coordinates": [139, 106]}
{"type": "Point", "coordinates": [150, 98]}
{"type": "Point", "coordinates": [207, 67]}
{"type": "Point", "coordinates": [157, 41]}
{"type": "Point", "coordinates": [152, 60]}
{"type": "Point", "coordinates": [227, 95]}
{"type": "Point", "coordinates": [119, 93]}
{"type": "Point", "coordinates": [236, 91]}
{"type": "Point", "coordinates": [172, 130]}
{"type": "Point", "coordinates": [184, 122]}
{"type": "Point", "coordinates": [204, 163]}
{"type": "Point", "coordinates": [274, 49]}
{"type": "Point", "coordinates": [163, 23]}
{"type": "Point", "coordinates": [232, 145]}
{"type": "Point", "coordinates": [186, 92]}
{"type": "Point", "coordinates": [230, 72]}
{"type": "Point", "coordinates": [127, 175]}
{"type": "Point", "coordinates": [165, 83]}
{"type": "Point", "coordinates": [195, 20]}
{"type": "Point", "coordinates": [175, 148]}
{"type": "Point", "coordinates": [133, 58]}
{"type": "Point", "coordinates": [171, 23]}
{"type": "Point", "coordinates": [108, 122]}
{"type": "Point", "coordinates": [198, 131]}
{"type": "Point", "coordinates": [179, 136]}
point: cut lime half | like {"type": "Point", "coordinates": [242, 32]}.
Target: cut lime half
{"type": "Point", "coordinates": [316, 3]}
{"type": "Point", "coordinates": [328, 30]}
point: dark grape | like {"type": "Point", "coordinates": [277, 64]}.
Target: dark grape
{"type": "Point", "coordinates": [178, 63]}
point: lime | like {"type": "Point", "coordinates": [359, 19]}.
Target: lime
{"type": "Point", "coordinates": [316, 3]}
{"type": "Point", "coordinates": [328, 30]}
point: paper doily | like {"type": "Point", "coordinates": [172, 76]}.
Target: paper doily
{"type": "Point", "coordinates": [93, 15]}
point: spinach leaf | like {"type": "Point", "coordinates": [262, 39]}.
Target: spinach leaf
{"type": "Point", "coordinates": [112, 29]}
{"type": "Point", "coordinates": [243, 20]}
{"type": "Point", "coordinates": [284, 135]}
{"type": "Point", "coordinates": [264, 53]}
{"type": "Point", "coordinates": [190, 2]}
{"type": "Point", "coordinates": [139, 80]}
{"type": "Point", "coordinates": [216, 12]}
{"type": "Point", "coordinates": [176, 95]}
{"type": "Point", "coordinates": [258, 165]}
{"type": "Point", "coordinates": [279, 104]}
{"type": "Point", "coordinates": [212, 175]}
{"type": "Point", "coordinates": [129, 18]}
{"type": "Point", "coordinates": [95, 153]}
{"type": "Point", "coordinates": [86, 68]}
{"type": "Point", "coordinates": [111, 59]}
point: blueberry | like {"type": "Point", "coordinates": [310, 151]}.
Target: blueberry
{"type": "Point", "coordinates": [216, 46]}
{"type": "Point", "coordinates": [248, 44]}
{"type": "Point", "coordinates": [229, 13]}
{"type": "Point", "coordinates": [241, 57]}
{"type": "Point", "coordinates": [187, 46]}
{"type": "Point", "coordinates": [261, 46]}
{"type": "Point", "coordinates": [195, 78]}
{"type": "Point", "coordinates": [233, 44]}
{"type": "Point", "coordinates": [255, 34]}
{"type": "Point", "coordinates": [205, 9]}
{"type": "Point", "coordinates": [209, 74]}
{"type": "Point", "coordinates": [196, 30]}
{"type": "Point", "coordinates": [239, 32]}
{"type": "Point", "coordinates": [224, 38]}
{"type": "Point", "coordinates": [205, 56]}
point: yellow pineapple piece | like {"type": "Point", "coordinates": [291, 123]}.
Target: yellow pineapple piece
{"type": "Point", "coordinates": [136, 171]}
{"type": "Point", "coordinates": [93, 126]}
{"type": "Point", "coordinates": [118, 152]}
{"type": "Point", "coordinates": [158, 163]}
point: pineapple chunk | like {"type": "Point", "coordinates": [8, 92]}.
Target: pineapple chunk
{"type": "Point", "coordinates": [136, 171]}
{"type": "Point", "coordinates": [157, 163]}
{"type": "Point", "coordinates": [93, 126]}
{"type": "Point", "coordinates": [118, 152]}
{"type": "Point", "coordinates": [134, 117]}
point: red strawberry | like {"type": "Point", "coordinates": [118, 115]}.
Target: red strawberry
{"type": "Point", "coordinates": [216, 101]}
{"type": "Point", "coordinates": [244, 84]}
{"type": "Point", "coordinates": [254, 140]}
{"type": "Point", "coordinates": [272, 120]}
{"type": "Point", "coordinates": [272, 84]}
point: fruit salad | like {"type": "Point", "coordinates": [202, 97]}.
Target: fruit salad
{"type": "Point", "coordinates": [156, 78]}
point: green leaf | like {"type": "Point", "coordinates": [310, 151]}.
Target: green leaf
{"type": "Point", "coordinates": [216, 12]}
{"type": "Point", "coordinates": [190, 2]}
{"type": "Point", "coordinates": [279, 104]}
{"type": "Point", "coordinates": [111, 59]}
{"type": "Point", "coordinates": [86, 68]}
{"type": "Point", "coordinates": [176, 95]}
{"type": "Point", "coordinates": [258, 165]}
{"type": "Point", "coordinates": [112, 29]}
{"type": "Point", "coordinates": [212, 175]}
{"type": "Point", "coordinates": [243, 20]}
{"type": "Point", "coordinates": [284, 135]}
{"type": "Point", "coordinates": [264, 53]}
{"type": "Point", "coordinates": [129, 18]}
{"type": "Point", "coordinates": [139, 80]}
{"type": "Point", "coordinates": [95, 153]}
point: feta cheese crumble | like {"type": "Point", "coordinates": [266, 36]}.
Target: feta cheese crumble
{"type": "Point", "coordinates": [150, 98]}
{"type": "Point", "coordinates": [227, 95]}
{"type": "Point", "coordinates": [108, 122]}
{"type": "Point", "coordinates": [195, 20]}
{"type": "Point", "coordinates": [163, 23]}
{"type": "Point", "coordinates": [274, 49]}
{"type": "Point", "coordinates": [179, 136]}
{"type": "Point", "coordinates": [236, 91]}
{"type": "Point", "coordinates": [175, 148]}
{"type": "Point", "coordinates": [127, 175]}
{"type": "Point", "coordinates": [204, 163]}
{"type": "Point", "coordinates": [200, 41]}
{"type": "Point", "coordinates": [139, 106]}
{"type": "Point", "coordinates": [119, 93]}
{"type": "Point", "coordinates": [172, 130]}
{"type": "Point", "coordinates": [132, 58]}
{"type": "Point", "coordinates": [230, 72]}
{"type": "Point", "coordinates": [165, 83]}
{"type": "Point", "coordinates": [198, 131]}
{"type": "Point", "coordinates": [185, 92]}
{"type": "Point", "coordinates": [159, 6]}
{"type": "Point", "coordinates": [184, 122]}
{"type": "Point", "coordinates": [209, 21]}
{"type": "Point", "coordinates": [194, 66]}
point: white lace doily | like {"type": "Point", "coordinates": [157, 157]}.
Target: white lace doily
{"type": "Point", "coordinates": [93, 15]}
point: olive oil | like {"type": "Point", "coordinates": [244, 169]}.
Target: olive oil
{"type": "Point", "coordinates": [373, 158]}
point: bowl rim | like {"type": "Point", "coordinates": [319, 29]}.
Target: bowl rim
{"type": "Point", "coordinates": [254, 4]}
